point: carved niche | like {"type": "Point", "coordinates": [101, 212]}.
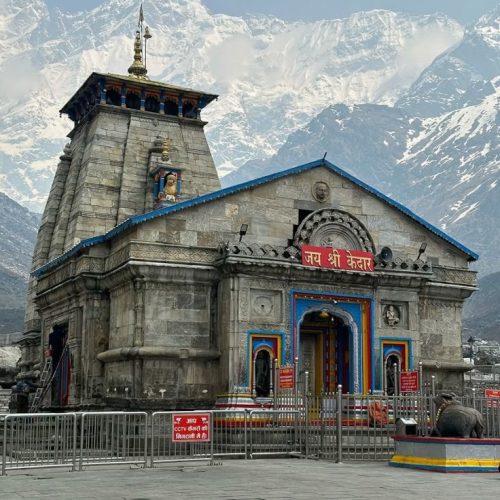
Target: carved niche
{"type": "Point", "coordinates": [333, 228]}
{"type": "Point", "coordinates": [265, 305]}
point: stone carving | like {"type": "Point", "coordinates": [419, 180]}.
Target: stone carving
{"type": "Point", "coordinates": [265, 305]}
{"type": "Point", "coordinates": [321, 191]}
{"type": "Point", "coordinates": [260, 251]}
{"type": "Point", "coordinates": [457, 276]}
{"type": "Point", "coordinates": [262, 305]}
{"type": "Point", "coordinates": [455, 420]}
{"type": "Point", "coordinates": [331, 227]}
{"type": "Point", "coordinates": [392, 315]}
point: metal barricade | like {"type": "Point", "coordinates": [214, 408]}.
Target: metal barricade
{"type": "Point", "coordinates": [321, 428]}
{"type": "Point", "coordinates": [113, 437]}
{"type": "Point", "coordinates": [230, 433]}
{"type": "Point", "coordinates": [367, 427]}
{"type": "Point", "coordinates": [164, 448]}
{"type": "Point", "coordinates": [272, 432]}
{"type": "Point", "coordinates": [38, 440]}
{"type": "Point", "coordinates": [489, 409]}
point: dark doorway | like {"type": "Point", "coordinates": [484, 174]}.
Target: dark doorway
{"type": "Point", "coordinates": [60, 364]}
{"type": "Point", "coordinates": [392, 367]}
{"type": "Point", "coordinates": [324, 352]}
{"type": "Point", "coordinates": [263, 374]}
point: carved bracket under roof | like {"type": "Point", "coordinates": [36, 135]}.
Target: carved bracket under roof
{"type": "Point", "coordinates": [336, 228]}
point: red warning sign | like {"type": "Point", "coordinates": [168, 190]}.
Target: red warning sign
{"type": "Point", "coordinates": [286, 376]}
{"type": "Point", "coordinates": [408, 381]}
{"type": "Point", "coordinates": [190, 427]}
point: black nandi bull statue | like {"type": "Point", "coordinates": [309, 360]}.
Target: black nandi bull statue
{"type": "Point", "coordinates": [455, 420]}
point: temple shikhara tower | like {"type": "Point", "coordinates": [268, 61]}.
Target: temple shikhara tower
{"type": "Point", "coordinates": [152, 287]}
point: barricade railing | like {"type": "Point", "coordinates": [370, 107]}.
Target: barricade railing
{"type": "Point", "coordinates": [113, 437]}
{"type": "Point", "coordinates": [367, 426]}
{"type": "Point", "coordinates": [489, 409]}
{"type": "Point", "coordinates": [332, 426]}
{"type": "Point", "coordinates": [165, 448]}
{"type": "Point", "coordinates": [36, 440]}
{"type": "Point", "coordinates": [273, 432]}
{"type": "Point", "coordinates": [230, 433]}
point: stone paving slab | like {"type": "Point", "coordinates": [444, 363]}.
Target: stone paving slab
{"type": "Point", "coordinates": [252, 479]}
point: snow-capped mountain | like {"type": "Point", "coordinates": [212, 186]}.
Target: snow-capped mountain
{"type": "Point", "coordinates": [436, 149]}
{"type": "Point", "coordinates": [18, 230]}
{"type": "Point", "coordinates": [272, 75]}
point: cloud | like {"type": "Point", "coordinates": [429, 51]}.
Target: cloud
{"type": "Point", "coordinates": [19, 78]}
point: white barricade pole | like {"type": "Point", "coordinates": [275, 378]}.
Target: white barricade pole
{"type": "Point", "coordinates": [339, 424]}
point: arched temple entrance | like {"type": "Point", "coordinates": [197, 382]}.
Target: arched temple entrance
{"type": "Point", "coordinates": [332, 336]}
{"type": "Point", "coordinates": [325, 349]}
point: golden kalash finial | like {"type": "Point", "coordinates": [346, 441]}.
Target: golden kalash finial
{"type": "Point", "coordinates": [138, 68]}
{"type": "Point", "coordinates": [165, 151]}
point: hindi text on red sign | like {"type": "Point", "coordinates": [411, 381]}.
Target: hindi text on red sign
{"type": "Point", "coordinates": [408, 381]}
{"type": "Point", "coordinates": [190, 427]}
{"type": "Point", "coordinates": [286, 376]}
{"type": "Point", "coordinates": [337, 258]}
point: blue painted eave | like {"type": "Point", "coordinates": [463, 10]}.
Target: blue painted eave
{"type": "Point", "coordinates": [206, 198]}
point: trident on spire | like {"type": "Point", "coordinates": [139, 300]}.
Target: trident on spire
{"type": "Point", "coordinates": [138, 68]}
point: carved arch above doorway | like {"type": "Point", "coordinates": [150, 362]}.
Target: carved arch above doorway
{"type": "Point", "coordinates": [336, 228]}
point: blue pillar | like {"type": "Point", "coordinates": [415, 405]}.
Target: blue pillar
{"type": "Point", "coordinates": [102, 90]}
{"type": "Point", "coordinates": [162, 102]}
{"type": "Point", "coordinates": [143, 99]}
{"type": "Point", "coordinates": [123, 96]}
{"type": "Point", "coordinates": [179, 105]}
{"type": "Point", "coordinates": [198, 109]}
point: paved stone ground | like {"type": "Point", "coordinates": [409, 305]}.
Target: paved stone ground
{"type": "Point", "coordinates": [257, 480]}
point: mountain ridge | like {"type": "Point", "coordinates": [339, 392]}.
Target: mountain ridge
{"type": "Point", "coordinates": [271, 75]}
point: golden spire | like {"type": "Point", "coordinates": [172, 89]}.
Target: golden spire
{"type": "Point", "coordinates": [137, 68]}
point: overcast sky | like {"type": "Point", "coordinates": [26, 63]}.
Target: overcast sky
{"type": "Point", "coordinates": [465, 11]}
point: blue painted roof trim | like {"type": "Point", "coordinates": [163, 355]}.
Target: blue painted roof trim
{"type": "Point", "coordinates": [138, 219]}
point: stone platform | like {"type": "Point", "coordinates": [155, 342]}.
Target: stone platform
{"type": "Point", "coordinates": [447, 454]}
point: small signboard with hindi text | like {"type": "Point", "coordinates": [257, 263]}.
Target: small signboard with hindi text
{"type": "Point", "coordinates": [190, 427]}
{"type": "Point", "coordinates": [337, 258]}
{"type": "Point", "coordinates": [286, 377]}
{"type": "Point", "coordinates": [408, 381]}
{"type": "Point", "coordinates": [493, 398]}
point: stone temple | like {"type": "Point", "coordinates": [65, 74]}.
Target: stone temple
{"type": "Point", "coordinates": [152, 287]}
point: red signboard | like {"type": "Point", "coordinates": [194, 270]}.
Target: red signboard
{"type": "Point", "coordinates": [408, 381]}
{"type": "Point", "coordinates": [492, 393]}
{"type": "Point", "coordinates": [190, 427]}
{"type": "Point", "coordinates": [337, 258]}
{"type": "Point", "coordinates": [286, 377]}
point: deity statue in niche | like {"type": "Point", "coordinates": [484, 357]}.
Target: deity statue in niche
{"type": "Point", "coordinates": [391, 315]}
{"type": "Point", "coordinates": [170, 189]}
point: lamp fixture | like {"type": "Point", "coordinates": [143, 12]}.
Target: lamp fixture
{"type": "Point", "coordinates": [324, 314]}
{"type": "Point", "coordinates": [243, 231]}
{"type": "Point", "coordinates": [421, 250]}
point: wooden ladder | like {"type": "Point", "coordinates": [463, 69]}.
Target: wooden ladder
{"type": "Point", "coordinates": [43, 384]}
